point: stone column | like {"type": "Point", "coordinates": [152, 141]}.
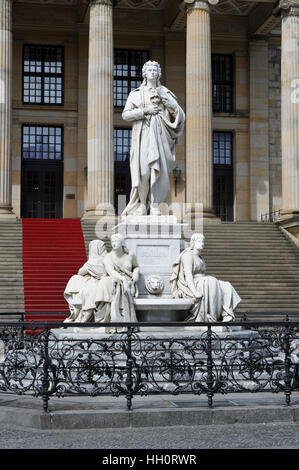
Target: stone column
{"type": "Point", "coordinates": [5, 107]}
{"type": "Point", "coordinates": [290, 106]}
{"type": "Point", "coordinates": [199, 163]}
{"type": "Point", "coordinates": [259, 133]}
{"type": "Point", "coordinates": [100, 160]}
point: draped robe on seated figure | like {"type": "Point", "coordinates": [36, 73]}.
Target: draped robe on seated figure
{"type": "Point", "coordinates": [216, 299]}
{"type": "Point", "coordinates": [89, 292]}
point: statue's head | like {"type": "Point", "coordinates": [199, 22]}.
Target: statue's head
{"type": "Point", "coordinates": [96, 248]}
{"type": "Point", "coordinates": [151, 70]}
{"type": "Point", "coordinates": [197, 240]}
{"type": "Point", "coordinates": [118, 240]}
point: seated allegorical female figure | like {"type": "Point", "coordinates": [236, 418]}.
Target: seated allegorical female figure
{"type": "Point", "coordinates": [213, 300]}
{"type": "Point", "coordinates": [89, 292]}
{"type": "Point", "coordinates": [121, 266]}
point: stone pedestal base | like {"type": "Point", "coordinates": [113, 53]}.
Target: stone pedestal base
{"type": "Point", "coordinates": [289, 222]}
{"type": "Point", "coordinates": [99, 213]}
{"type": "Point", "coordinates": [156, 243]}
{"type": "Point", "coordinates": [8, 215]}
{"type": "Point", "coordinates": [163, 332]}
{"type": "Point", "coordinates": [198, 219]}
{"type": "Point", "coordinates": [155, 309]}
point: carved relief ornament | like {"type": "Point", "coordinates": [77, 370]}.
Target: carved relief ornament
{"type": "Point", "coordinates": [289, 7]}
{"type": "Point", "coordinates": [200, 3]}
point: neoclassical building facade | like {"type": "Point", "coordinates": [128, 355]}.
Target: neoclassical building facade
{"type": "Point", "coordinates": [67, 67]}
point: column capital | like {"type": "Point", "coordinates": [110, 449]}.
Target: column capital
{"type": "Point", "coordinates": [200, 4]}
{"type": "Point", "coordinates": [109, 3]}
{"type": "Point", "coordinates": [289, 7]}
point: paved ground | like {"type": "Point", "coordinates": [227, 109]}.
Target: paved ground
{"type": "Point", "coordinates": [240, 421]}
{"type": "Point", "coordinates": [237, 436]}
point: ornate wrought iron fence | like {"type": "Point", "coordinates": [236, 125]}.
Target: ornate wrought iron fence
{"type": "Point", "coordinates": [38, 359]}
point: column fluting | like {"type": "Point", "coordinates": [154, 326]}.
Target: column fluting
{"type": "Point", "coordinates": [290, 107]}
{"type": "Point", "coordinates": [199, 163]}
{"type": "Point", "coordinates": [100, 110]}
{"type": "Point", "coordinates": [5, 106]}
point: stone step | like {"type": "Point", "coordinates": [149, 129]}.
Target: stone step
{"type": "Point", "coordinates": [267, 285]}
{"type": "Point", "coordinates": [259, 256]}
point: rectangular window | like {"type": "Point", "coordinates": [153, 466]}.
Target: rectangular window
{"type": "Point", "coordinates": [223, 83]}
{"type": "Point", "coordinates": [122, 144]}
{"type": "Point", "coordinates": [222, 148]}
{"type": "Point", "coordinates": [122, 177]}
{"type": "Point", "coordinates": [43, 75]}
{"type": "Point", "coordinates": [127, 73]}
{"type": "Point", "coordinates": [42, 143]}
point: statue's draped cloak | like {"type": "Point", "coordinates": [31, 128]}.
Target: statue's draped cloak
{"type": "Point", "coordinates": [93, 295]}
{"type": "Point", "coordinates": [82, 288]}
{"type": "Point", "coordinates": [122, 305]}
{"type": "Point", "coordinates": [218, 298]}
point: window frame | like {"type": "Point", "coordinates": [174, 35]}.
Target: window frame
{"type": "Point", "coordinates": [230, 83]}
{"type": "Point", "coordinates": [42, 160]}
{"type": "Point", "coordinates": [115, 130]}
{"type": "Point", "coordinates": [224, 165]}
{"type": "Point", "coordinates": [129, 78]}
{"type": "Point", "coordinates": [43, 75]}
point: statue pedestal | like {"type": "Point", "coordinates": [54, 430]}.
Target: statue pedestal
{"type": "Point", "coordinates": [150, 226]}
{"type": "Point", "coordinates": [156, 243]}
{"type": "Point", "coordinates": [153, 309]}
{"type": "Point", "coordinates": [84, 333]}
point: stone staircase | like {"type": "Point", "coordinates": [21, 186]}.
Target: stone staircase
{"type": "Point", "coordinates": [260, 262]}
{"type": "Point", "coordinates": [11, 269]}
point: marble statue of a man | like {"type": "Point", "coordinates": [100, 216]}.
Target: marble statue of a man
{"type": "Point", "coordinates": [158, 121]}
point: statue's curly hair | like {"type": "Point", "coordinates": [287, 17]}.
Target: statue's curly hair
{"type": "Point", "coordinates": [194, 237]}
{"type": "Point", "coordinates": [148, 63]}
{"type": "Point", "coordinates": [122, 238]}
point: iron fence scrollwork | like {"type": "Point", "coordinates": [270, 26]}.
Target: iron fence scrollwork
{"type": "Point", "coordinates": [259, 357]}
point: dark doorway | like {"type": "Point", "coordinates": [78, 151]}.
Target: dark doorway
{"type": "Point", "coordinates": [223, 175]}
{"type": "Point", "coordinates": [42, 172]}
{"type": "Point", "coordinates": [122, 185]}
{"type": "Point", "coordinates": [122, 174]}
{"type": "Point", "coordinates": [42, 190]}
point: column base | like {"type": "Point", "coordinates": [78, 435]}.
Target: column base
{"type": "Point", "coordinates": [206, 215]}
{"type": "Point", "coordinates": [288, 213]}
{"type": "Point", "coordinates": [289, 221]}
{"type": "Point", "coordinates": [99, 212]}
{"type": "Point", "coordinates": [7, 213]}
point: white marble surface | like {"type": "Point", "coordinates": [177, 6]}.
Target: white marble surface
{"type": "Point", "coordinates": [158, 122]}
{"type": "Point", "coordinates": [162, 304]}
{"type": "Point", "coordinates": [154, 256]}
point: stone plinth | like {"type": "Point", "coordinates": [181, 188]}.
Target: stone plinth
{"type": "Point", "coordinates": [150, 226]}
{"type": "Point", "coordinates": [160, 309]}
{"type": "Point", "coordinates": [71, 333]}
{"type": "Point", "coordinates": [156, 243]}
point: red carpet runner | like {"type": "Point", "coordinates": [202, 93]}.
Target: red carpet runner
{"type": "Point", "coordinates": [53, 250]}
